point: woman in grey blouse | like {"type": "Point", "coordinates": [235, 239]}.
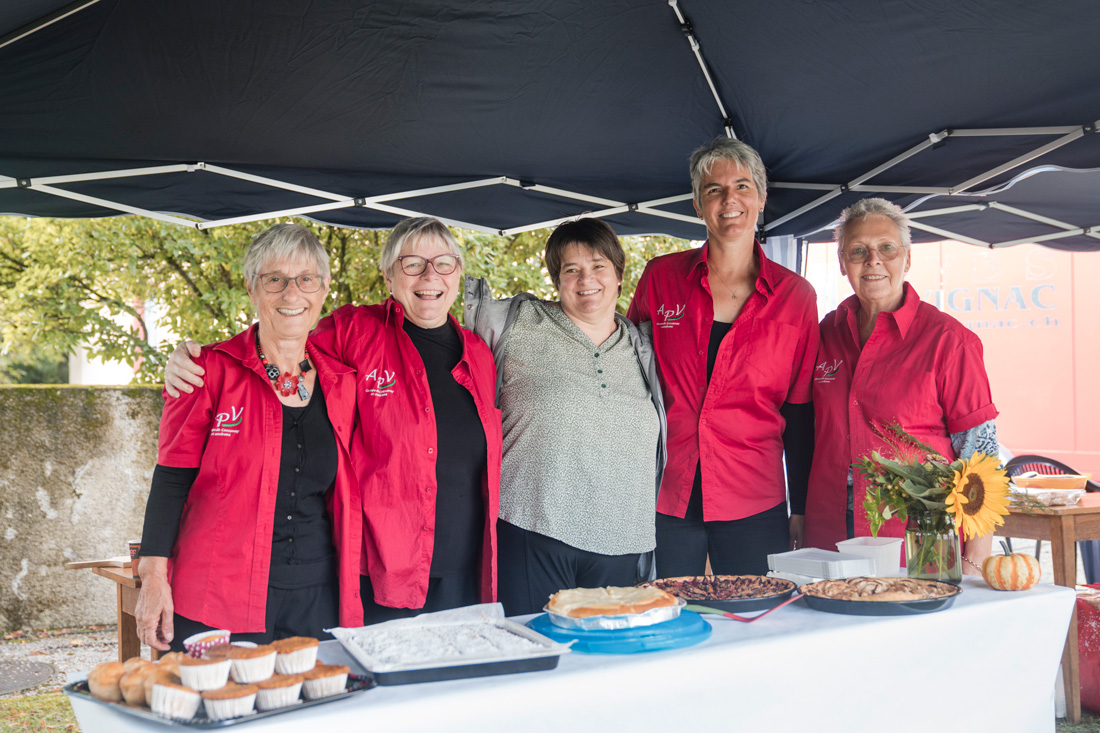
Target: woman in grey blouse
{"type": "Point", "coordinates": [583, 425]}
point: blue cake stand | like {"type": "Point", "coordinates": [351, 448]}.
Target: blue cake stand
{"type": "Point", "coordinates": [685, 630]}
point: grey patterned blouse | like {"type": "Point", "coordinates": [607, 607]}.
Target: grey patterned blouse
{"type": "Point", "coordinates": [580, 435]}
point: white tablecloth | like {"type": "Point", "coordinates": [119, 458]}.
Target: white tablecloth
{"type": "Point", "coordinates": [987, 663]}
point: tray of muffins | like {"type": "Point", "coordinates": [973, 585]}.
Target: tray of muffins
{"type": "Point", "coordinates": [218, 683]}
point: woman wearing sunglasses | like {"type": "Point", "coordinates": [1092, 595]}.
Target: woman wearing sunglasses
{"type": "Point", "coordinates": [886, 357]}
{"type": "Point", "coordinates": [427, 448]}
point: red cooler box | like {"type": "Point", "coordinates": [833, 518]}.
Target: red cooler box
{"type": "Point", "coordinates": [1088, 644]}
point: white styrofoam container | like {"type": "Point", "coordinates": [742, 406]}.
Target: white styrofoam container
{"type": "Point", "coordinates": [885, 551]}
{"type": "Point", "coordinates": [821, 563]}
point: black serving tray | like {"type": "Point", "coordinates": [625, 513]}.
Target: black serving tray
{"type": "Point", "coordinates": [880, 608]}
{"type": "Point", "coordinates": [355, 685]}
{"type": "Point", "coordinates": [463, 671]}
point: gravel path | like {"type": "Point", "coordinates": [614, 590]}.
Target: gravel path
{"type": "Point", "coordinates": [66, 650]}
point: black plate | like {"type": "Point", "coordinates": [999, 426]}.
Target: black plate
{"type": "Point", "coordinates": [880, 608]}
{"type": "Point", "coordinates": [356, 684]}
{"type": "Point", "coordinates": [741, 605]}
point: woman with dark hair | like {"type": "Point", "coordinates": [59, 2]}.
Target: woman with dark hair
{"type": "Point", "coordinates": [583, 425]}
{"type": "Point", "coordinates": [735, 337]}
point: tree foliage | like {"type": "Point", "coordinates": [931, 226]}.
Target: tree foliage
{"type": "Point", "coordinates": [105, 283]}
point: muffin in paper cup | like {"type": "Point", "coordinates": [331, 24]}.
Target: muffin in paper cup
{"type": "Point", "coordinates": [230, 701]}
{"type": "Point", "coordinates": [279, 691]}
{"type": "Point", "coordinates": [297, 654]}
{"type": "Point", "coordinates": [251, 664]}
{"type": "Point", "coordinates": [324, 680]}
{"type": "Point", "coordinates": [198, 643]}
{"type": "Point", "coordinates": [204, 674]}
{"type": "Point", "coordinates": [174, 701]}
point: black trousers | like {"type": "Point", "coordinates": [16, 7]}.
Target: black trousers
{"type": "Point", "coordinates": [735, 547]}
{"type": "Point", "coordinates": [443, 593]}
{"type": "Point", "coordinates": [294, 612]}
{"type": "Point", "coordinates": [531, 567]}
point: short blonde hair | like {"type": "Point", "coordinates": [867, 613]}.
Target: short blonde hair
{"type": "Point", "coordinates": [413, 230]}
{"type": "Point", "coordinates": [284, 242]}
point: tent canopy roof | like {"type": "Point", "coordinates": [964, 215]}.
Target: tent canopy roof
{"type": "Point", "coordinates": [360, 113]}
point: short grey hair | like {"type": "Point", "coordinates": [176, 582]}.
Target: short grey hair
{"type": "Point", "coordinates": [724, 148]}
{"type": "Point", "coordinates": [284, 242]}
{"type": "Point", "coordinates": [412, 231]}
{"type": "Point", "coordinates": [863, 208]}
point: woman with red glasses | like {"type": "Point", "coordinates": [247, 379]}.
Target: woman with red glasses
{"type": "Point", "coordinates": [427, 449]}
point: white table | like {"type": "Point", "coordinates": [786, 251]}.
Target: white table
{"type": "Point", "coordinates": [987, 663]}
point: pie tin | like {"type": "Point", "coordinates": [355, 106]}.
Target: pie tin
{"type": "Point", "coordinates": [622, 621]}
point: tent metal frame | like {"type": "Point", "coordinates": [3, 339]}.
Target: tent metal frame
{"type": "Point", "coordinates": [1063, 135]}
{"type": "Point", "coordinates": [603, 207]}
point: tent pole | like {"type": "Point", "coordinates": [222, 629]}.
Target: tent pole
{"type": "Point", "coordinates": [45, 20]}
{"type": "Point", "coordinates": [689, 33]}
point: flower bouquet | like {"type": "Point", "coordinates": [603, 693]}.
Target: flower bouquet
{"type": "Point", "coordinates": [936, 498]}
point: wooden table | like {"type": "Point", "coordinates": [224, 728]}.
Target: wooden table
{"type": "Point", "coordinates": [1062, 526]}
{"type": "Point", "coordinates": [128, 587]}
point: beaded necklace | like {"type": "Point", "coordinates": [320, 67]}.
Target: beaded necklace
{"type": "Point", "coordinates": [287, 385]}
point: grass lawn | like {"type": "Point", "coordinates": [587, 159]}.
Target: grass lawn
{"type": "Point", "coordinates": [37, 713]}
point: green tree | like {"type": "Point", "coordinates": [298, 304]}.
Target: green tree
{"type": "Point", "coordinates": [86, 282]}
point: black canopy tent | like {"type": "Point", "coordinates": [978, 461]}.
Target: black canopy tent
{"type": "Point", "coordinates": [510, 115]}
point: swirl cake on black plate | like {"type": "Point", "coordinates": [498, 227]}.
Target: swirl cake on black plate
{"type": "Point", "coordinates": [722, 587]}
{"type": "Point", "coordinates": [880, 589]}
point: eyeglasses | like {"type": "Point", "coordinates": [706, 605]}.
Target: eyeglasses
{"type": "Point", "coordinates": [442, 264]}
{"type": "Point", "coordinates": [273, 282]}
{"type": "Point", "coordinates": [859, 254]}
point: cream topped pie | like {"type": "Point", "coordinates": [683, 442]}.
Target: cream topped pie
{"type": "Point", "coordinates": [608, 601]}
{"type": "Point", "coordinates": [880, 589]}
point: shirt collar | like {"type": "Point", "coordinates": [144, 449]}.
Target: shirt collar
{"type": "Point", "coordinates": [902, 317]}
{"type": "Point", "coordinates": [765, 281]}
{"type": "Point", "coordinates": [395, 317]}
{"type": "Point", "coordinates": [242, 346]}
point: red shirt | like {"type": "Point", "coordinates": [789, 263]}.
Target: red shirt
{"type": "Point", "coordinates": [920, 368]}
{"type": "Point", "coordinates": [731, 427]}
{"type": "Point", "coordinates": [395, 449]}
{"type": "Point", "coordinates": [231, 430]}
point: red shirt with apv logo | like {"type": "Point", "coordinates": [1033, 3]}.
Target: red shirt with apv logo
{"type": "Point", "coordinates": [920, 368]}
{"type": "Point", "coordinates": [231, 430]}
{"type": "Point", "coordinates": [731, 428]}
{"type": "Point", "coordinates": [395, 449]}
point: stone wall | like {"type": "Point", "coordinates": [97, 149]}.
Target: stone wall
{"type": "Point", "coordinates": [75, 469]}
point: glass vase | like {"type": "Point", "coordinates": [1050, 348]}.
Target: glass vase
{"type": "Point", "coordinates": [932, 548]}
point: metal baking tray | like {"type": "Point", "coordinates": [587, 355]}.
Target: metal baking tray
{"type": "Point", "coordinates": [355, 685]}
{"type": "Point", "coordinates": [740, 605]}
{"type": "Point", "coordinates": [621, 621]}
{"type": "Point", "coordinates": [882, 608]}
{"type": "Point", "coordinates": [452, 668]}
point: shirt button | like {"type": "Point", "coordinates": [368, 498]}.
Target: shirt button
{"type": "Point", "coordinates": [297, 470]}
{"type": "Point", "coordinates": [704, 421]}
{"type": "Point", "coordinates": [290, 517]}
{"type": "Point", "coordinates": [855, 402]}
{"type": "Point", "coordinates": [597, 354]}
{"type": "Point", "coordinates": [290, 540]}
{"type": "Point", "coordinates": [700, 353]}
{"type": "Point", "coordinates": [604, 386]}
{"type": "Point", "coordinates": [599, 371]}
{"type": "Point", "coordinates": [426, 409]}
{"type": "Point", "coordinates": [431, 450]}
{"type": "Point", "coordinates": [299, 445]}
{"type": "Point", "coordinates": [292, 493]}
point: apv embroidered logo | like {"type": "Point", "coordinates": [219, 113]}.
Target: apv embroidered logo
{"type": "Point", "coordinates": [380, 383]}
{"type": "Point", "coordinates": [826, 371]}
{"type": "Point", "coordinates": [667, 316]}
{"type": "Point", "coordinates": [226, 423]}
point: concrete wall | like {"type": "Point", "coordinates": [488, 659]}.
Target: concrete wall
{"type": "Point", "coordinates": [75, 466]}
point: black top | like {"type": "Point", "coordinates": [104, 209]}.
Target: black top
{"type": "Point", "coordinates": [798, 441]}
{"type": "Point", "coordinates": [460, 455]}
{"type": "Point", "coordinates": [302, 553]}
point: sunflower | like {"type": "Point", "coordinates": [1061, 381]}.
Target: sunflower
{"type": "Point", "coordinates": [979, 496]}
